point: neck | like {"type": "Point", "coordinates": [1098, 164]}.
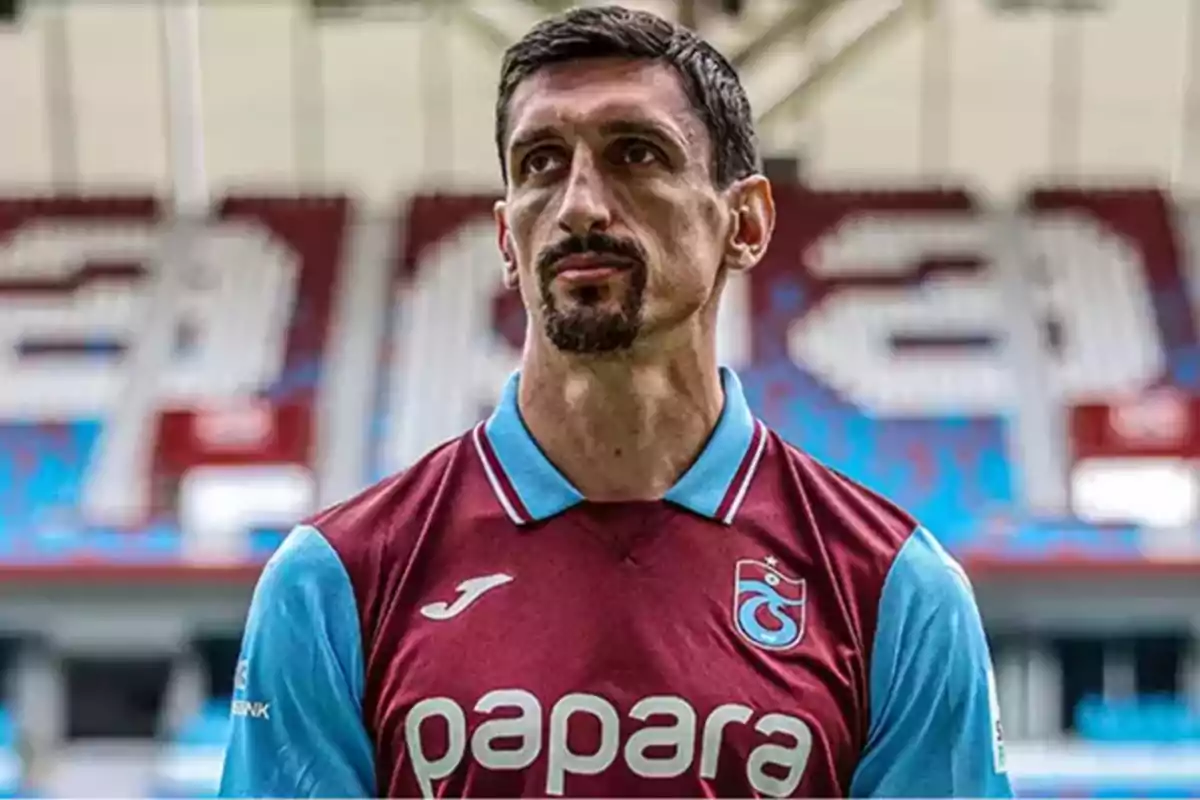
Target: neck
{"type": "Point", "coordinates": [621, 427]}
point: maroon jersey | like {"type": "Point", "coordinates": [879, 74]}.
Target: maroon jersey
{"type": "Point", "coordinates": [476, 627]}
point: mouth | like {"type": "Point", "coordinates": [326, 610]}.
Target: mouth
{"type": "Point", "coordinates": [590, 267]}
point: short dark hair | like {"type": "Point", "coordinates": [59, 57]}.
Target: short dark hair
{"type": "Point", "coordinates": [709, 79]}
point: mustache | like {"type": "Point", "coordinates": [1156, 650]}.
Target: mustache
{"type": "Point", "coordinates": [595, 243]}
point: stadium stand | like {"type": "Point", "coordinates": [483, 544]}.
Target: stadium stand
{"type": "Point", "coordinates": [105, 453]}
{"type": "Point", "coordinates": [190, 763]}
{"type": "Point", "coordinates": [883, 334]}
{"type": "Point", "coordinates": [1012, 357]}
{"type": "Point", "coordinates": [880, 335]}
{"type": "Point", "coordinates": [11, 783]}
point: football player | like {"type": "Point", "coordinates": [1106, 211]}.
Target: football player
{"type": "Point", "coordinates": [622, 583]}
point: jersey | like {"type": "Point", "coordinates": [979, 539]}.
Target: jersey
{"type": "Point", "coordinates": [475, 627]}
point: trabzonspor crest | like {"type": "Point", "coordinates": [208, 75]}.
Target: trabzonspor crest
{"type": "Point", "coordinates": [768, 606]}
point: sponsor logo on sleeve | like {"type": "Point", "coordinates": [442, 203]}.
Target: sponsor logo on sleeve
{"type": "Point", "coordinates": [242, 707]}
{"type": "Point", "coordinates": [999, 761]}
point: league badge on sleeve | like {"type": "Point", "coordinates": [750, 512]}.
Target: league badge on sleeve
{"type": "Point", "coordinates": [241, 676]}
{"type": "Point", "coordinates": [768, 606]}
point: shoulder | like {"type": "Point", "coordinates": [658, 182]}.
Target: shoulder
{"type": "Point", "coordinates": [302, 579]}
{"type": "Point", "coordinates": [848, 514]}
{"type": "Point", "coordinates": [376, 533]}
{"type": "Point", "coordinates": [381, 511]}
{"type": "Point", "coordinates": [880, 550]}
{"type": "Point", "coordinates": [925, 588]}
{"type": "Point", "coordinates": [924, 568]}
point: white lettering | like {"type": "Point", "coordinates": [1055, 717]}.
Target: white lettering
{"type": "Point", "coordinates": [205, 324]}
{"type": "Point", "coordinates": [882, 245]}
{"type": "Point", "coordinates": [680, 734]}
{"type": "Point", "coordinates": [453, 291]}
{"type": "Point", "coordinates": [254, 710]}
{"type": "Point", "coordinates": [228, 330]}
{"type": "Point", "coordinates": [426, 770]}
{"type": "Point", "coordinates": [527, 727]}
{"type": "Point", "coordinates": [999, 761]}
{"type": "Point", "coordinates": [674, 735]}
{"type": "Point", "coordinates": [562, 759]}
{"type": "Point", "coordinates": [1097, 290]}
{"type": "Point", "coordinates": [793, 759]}
{"type": "Point", "coordinates": [714, 728]}
{"type": "Point", "coordinates": [1095, 294]}
{"type": "Point", "coordinates": [65, 387]}
{"type": "Point", "coordinates": [847, 341]}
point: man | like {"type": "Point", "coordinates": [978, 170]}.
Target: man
{"type": "Point", "coordinates": [622, 583]}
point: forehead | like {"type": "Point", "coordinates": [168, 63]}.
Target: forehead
{"type": "Point", "coordinates": [578, 95]}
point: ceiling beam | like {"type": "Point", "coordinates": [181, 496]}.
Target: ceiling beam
{"type": "Point", "coordinates": [687, 13]}
{"type": "Point", "coordinates": [553, 6]}
{"type": "Point", "coordinates": [801, 17]}
{"type": "Point", "coordinates": [501, 23]}
{"type": "Point", "coordinates": [824, 74]}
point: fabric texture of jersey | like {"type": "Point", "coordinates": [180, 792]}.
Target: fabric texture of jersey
{"type": "Point", "coordinates": [474, 626]}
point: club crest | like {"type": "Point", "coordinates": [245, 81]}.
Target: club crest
{"type": "Point", "coordinates": [768, 606]}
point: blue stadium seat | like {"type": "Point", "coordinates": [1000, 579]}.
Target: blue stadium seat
{"type": "Point", "coordinates": [10, 760]}
{"type": "Point", "coordinates": [1148, 719]}
{"type": "Point", "coordinates": [190, 764]}
{"type": "Point", "coordinates": [209, 726]}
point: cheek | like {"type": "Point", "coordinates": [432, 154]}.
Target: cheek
{"type": "Point", "coordinates": [527, 233]}
{"type": "Point", "coordinates": [692, 250]}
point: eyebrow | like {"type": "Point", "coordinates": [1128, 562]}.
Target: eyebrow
{"type": "Point", "coordinates": [640, 128]}
{"type": "Point", "coordinates": [617, 127]}
{"type": "Point", "coordinates": [532, 137]}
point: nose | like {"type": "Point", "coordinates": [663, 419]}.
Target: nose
{"type": "Point", "coordinates": [585, 206]}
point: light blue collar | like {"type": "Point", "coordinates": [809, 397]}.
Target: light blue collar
{"type": "Point", "coordinates": [531, 488]}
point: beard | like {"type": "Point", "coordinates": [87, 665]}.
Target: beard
{"type": "Point", "coordinates": [587, 326]}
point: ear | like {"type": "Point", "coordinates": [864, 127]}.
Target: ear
{"type": "Point", "coordinates": [752, 221]}
{"type": "Point", "coordinates": [504, 239]}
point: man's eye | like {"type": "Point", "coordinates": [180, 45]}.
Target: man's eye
{"type": "Point", "coordinates": [638, 153]}
{"type": "Point", "coordinates": [540, 161]}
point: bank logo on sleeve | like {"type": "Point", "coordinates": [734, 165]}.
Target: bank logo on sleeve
{"type": "Point", "coordinates": [252, 709]}
{"type": "Point", "coordinates": [999, 762]}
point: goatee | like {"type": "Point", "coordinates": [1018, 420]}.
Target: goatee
{"type": "Point", "coordinates": [586, 328]}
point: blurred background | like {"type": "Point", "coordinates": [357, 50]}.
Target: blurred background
{"type": "Point", "coordinates": [247, 267]}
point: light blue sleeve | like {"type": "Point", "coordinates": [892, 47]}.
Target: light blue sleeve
{"type": "Point", "coordinates": [297, 710]}
{"type": "Point", "coordinates": [935, 723]}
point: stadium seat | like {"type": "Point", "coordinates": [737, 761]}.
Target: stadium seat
{"type": "Point", "coordinates": [62, 391]}
{"type": "Point", "coordinates": [10, 760]}
{"type": "Point", "coordinates": [190, 763]}
{"type": "Point", "coordinates": [1148, 719]}
{"type": "Point", "coordinates": [857, 397]}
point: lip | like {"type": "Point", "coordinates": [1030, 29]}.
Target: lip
{"type": "Point", "coordinates": [583, 262]}
{"type": "Point", "coordinates": [589, 266]}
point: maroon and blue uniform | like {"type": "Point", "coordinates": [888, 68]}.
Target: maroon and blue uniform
{"type": "Point", "coordinates": [474, 626]}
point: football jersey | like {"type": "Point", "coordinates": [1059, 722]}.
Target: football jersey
{"type": "Point", "coordinates": [475, 627]}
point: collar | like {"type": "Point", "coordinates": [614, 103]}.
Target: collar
{"type": "Point", "coordinates": [531, 489]}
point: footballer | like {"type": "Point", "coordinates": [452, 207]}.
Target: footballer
{"type": "Point", "coordinates": [622, 583]}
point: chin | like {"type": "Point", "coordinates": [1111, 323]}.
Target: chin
{"type": "Point", "coordinates": [603, 298]}
{"type": "Point", "coordinates": [588, 331]}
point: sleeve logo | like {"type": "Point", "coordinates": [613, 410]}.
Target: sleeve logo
{"type": "Point", "coordinates": [999, 761]}
{"type": "Point", "coordinates": [241, 677]}
{"type": "Point", "coordinates": [242, 707]}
